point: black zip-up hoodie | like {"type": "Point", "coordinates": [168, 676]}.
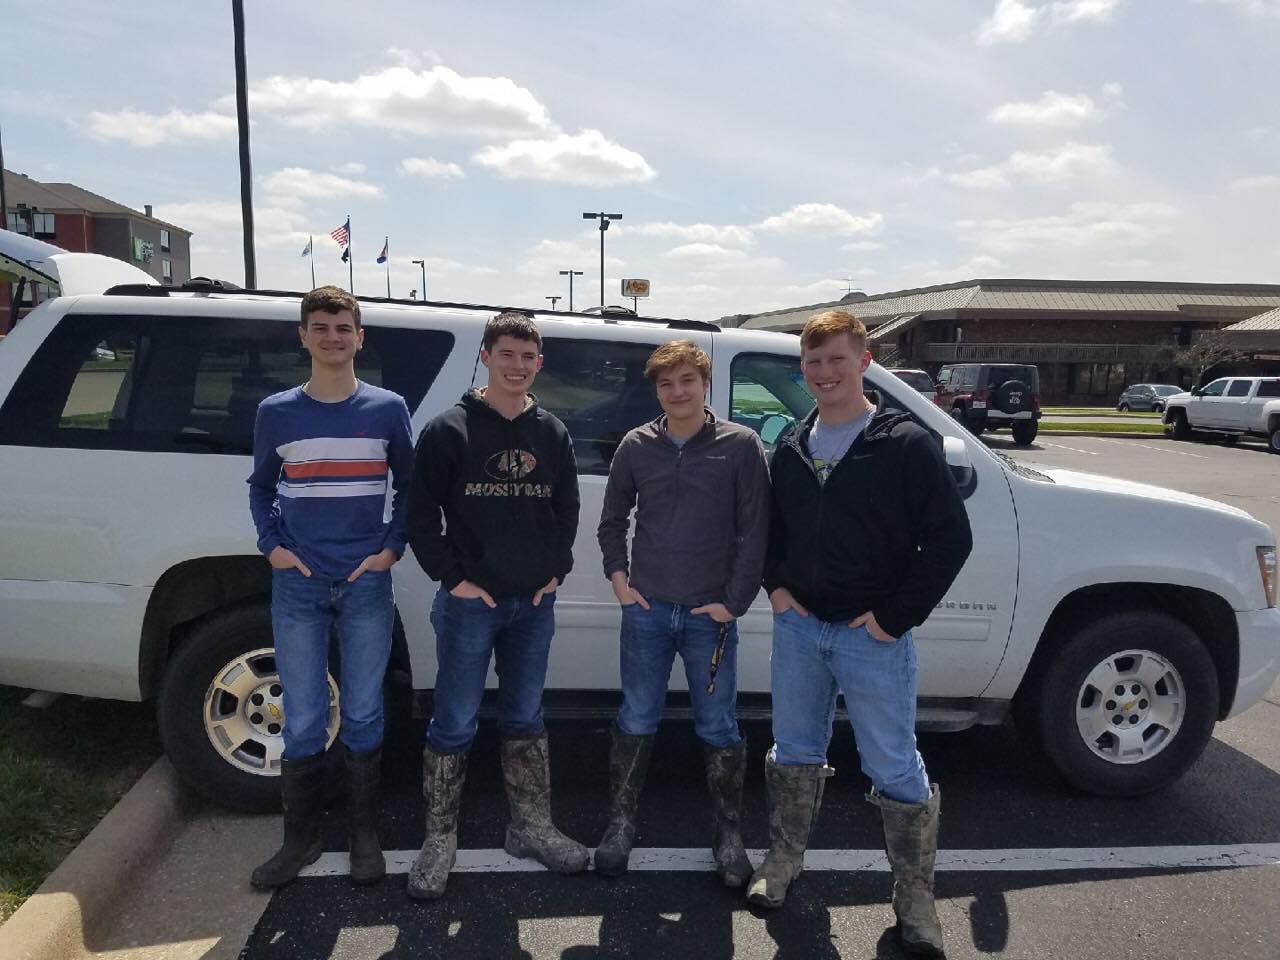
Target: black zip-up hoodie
{"type": "Point", "coordinates": [887, 532]}
{"type": "Point", "coordinates": [506, 491]}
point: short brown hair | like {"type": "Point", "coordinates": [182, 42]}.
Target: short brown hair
{"type": "Point", "coordinates": [821, 327]}
{"type": "Point", "coordinates": [510, 323]}
{"type": "Point", "coordinates": [329, 300]}
{"type": "Point", "coordinates": [671, 355]}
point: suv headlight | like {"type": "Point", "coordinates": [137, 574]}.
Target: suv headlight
{"type": "Point", "coordinates": [1267, 567]}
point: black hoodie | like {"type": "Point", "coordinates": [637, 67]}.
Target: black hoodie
{"type": "Point", "coordinates": [508, 493]}
{"type": "Point", "coordinates": [886, 533]}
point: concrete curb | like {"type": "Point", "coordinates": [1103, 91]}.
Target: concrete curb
{"type": "Point", "coordinates": [59, 918]}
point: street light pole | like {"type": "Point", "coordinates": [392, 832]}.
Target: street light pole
{"type": "Point", "coordinates": [423, 265]}
{"type": "Point", "coordinates": [571, 274]}
{"type": "Point", "coordinates": [242, 123]}
{"type": "Point", "coordinates": [554, 301]}
{"type": "Point", "coordinates": [604, 219]}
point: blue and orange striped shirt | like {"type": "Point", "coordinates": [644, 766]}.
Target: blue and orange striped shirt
{"type": "Point", "coordinates": [319, 482]}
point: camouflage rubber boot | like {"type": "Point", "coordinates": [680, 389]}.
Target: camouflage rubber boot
{"type": "Point", "coordinates": [302, 796]}
{"type": "Point", "coordinates": [726, 768]}
{"type": "Point", "coordinates": [628, 765]}
{"type": "Point", "coordinates": [442, 777]}
{"type": "Point", "coordinates": [364, 772]}
{"type": "Point", "coordinates": [795, 796]}
{"type": "Point", "coordinates": [911, 843]}
{"type": "Point", "coordinates": [526, 773]}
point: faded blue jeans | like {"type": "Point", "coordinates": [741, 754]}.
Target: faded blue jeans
{"type": "Point", "coordinates": [303, 610]}
{"type": "Point", "coordinates": [813, 661]}
{"type": "Point", "coordinates": [517, 636]}
{"type": "Point", "coordinates": [650, 641]}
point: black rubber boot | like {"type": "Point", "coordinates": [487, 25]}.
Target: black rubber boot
{"type": "Point", "coordinates": [795, 796]}
{"type": "Point", "coordinates": [364, 771]}
{"type": "Point", "coordinates": [302, 795]}
{"type": "Point", "coordinates": [726, 769]}
{"type": "Point", "coordinates": [628, 765]}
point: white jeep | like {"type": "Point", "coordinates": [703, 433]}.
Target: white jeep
{"type": "Point", "coordinates": [128, 567]}
{"type": "Point", "coordinates": [1229, 407]}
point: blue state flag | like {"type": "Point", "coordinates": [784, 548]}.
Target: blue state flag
{"type": "Point", "coordinates": [382, 257]}
{"type": "Point", "coordinates": [306, 251]}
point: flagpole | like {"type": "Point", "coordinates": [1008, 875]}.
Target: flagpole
{"type": "Point", "coordinates": [351, 261]}
{"type": "Point", "coordinates": [311, 245]}
{"type": "Point", "coordinates": [386, 245]}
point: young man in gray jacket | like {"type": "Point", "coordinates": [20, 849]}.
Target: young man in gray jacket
{"type": "Point", "coordinates": [700, 487]}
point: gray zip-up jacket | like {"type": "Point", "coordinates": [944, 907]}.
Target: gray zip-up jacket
{"type": "Point", "coordinates": [702, 520]}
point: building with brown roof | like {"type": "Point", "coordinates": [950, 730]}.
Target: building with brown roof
{"type": "Point", "coordinates": [1089, 338]}
{"type": "Point", "coordinates": [81, 221]}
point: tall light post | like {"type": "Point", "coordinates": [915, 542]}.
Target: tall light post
{"type": "Point", "coordinates": [554, 301]}
{"type": "Point", "coordinates": [423, 265]}
{"type": "Point", "coordinates": [242, 124]}
{"type": "Point", "coordinates": [571, 274]}
{"type": "Point", "coordinates": [604, 219]}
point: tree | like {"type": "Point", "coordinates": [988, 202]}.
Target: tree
{"type": "Point", "coordinates": [1208, 349]}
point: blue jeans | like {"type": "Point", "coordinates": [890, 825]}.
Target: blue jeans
{"type": "Point", "coordinates": [812, 662]}
{"type": "Point", "coordinates": [303, 610]}
{"type": "Point", "coordinates": [650, 641]}
{"type": "Point", "coordinates": [517, 636]}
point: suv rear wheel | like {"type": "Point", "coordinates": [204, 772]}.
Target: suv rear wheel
{"type": "Point", "coordinates": [221, 712]}
{"type": "Point", "coordinates": [1126, 705]}
{"type": "Point", "coordinates": [1024, 432]}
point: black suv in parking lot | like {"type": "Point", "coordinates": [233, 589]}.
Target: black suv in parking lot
{"type": "Point", "coordinates": [987, 396]}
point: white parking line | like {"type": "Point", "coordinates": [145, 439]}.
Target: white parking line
{"type": "Point", "coordinates": [873, 861]}
{"type": "Point", "coordinates": [1147, 446]}
{"type": "Point", "coordinates": [1059, 446]}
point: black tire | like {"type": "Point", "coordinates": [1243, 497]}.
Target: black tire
{"type": "Point", "coordinates": [962, 417]}
{"type": "Point", "coordinates": [1123, 408]}
{"type": "Point", "coordinates": [1013, 396]}
{"type": "Point", "coordinates": [1024, 432]}
{"type": "Point", "coordinates": [1273, 442]}
{"type": "Point", "coordinates": [1157, 407]}
{"type": "Point", "coordinates": [1179, 429]}
{"type": "Point", "coordinates": [1053, 703]}
{"type": "Point", "coordinates": [208, 649]}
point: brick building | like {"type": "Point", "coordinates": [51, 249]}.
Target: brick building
{"type": "Point", "coordinates": [1089, 338]}
{"type": "Point", "coordinates": [80, 221]}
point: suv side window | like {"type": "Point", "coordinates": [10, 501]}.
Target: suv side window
{"type": "Point", "coordinates": [767, 393]}
{"type": "Point", "coordinates": [166, 384]}
{"type": "Point", "coordinates": [598, 388]}
{"type": "Point", "coordinates": [1239, 388]}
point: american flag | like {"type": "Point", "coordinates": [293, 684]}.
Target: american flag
{"type": "Point", "coordinates": [343, 233]}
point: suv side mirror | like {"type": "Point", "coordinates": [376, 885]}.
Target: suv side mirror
{"type": "Point", "coordinates": [956, 453]}
{"type": "Point", "coordinates": [772, 428]}
{"type": "Point", "coordinates": [1197, 392]}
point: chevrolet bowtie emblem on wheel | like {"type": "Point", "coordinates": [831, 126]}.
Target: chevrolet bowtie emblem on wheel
{"type": "Point", "coordinates": [274, 711]}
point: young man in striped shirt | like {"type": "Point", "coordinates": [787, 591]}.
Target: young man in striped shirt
{"type": "Point", "coordinates": [321, 456]}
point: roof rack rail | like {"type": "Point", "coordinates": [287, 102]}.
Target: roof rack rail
{"type": "Point", "coordinates": [205, 285]}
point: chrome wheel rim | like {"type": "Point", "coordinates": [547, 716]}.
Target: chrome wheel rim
{"type": "Point", "coordinates": [1130, 706]}
{"type": "Point", "coordinates": [244, 713]}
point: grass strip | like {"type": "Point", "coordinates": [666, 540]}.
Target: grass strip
{"type": "Point", "coordinates": [1099, 412]}
{"type": "Point", "coordinates": [1155, 429]}
{"type": "Point", "coordinates": [61, 769]}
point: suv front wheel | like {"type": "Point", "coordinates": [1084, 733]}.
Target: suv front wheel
{"type": "Point", "coordinates": [1127, 703]}
{"type": "Point", "coordinates": [221, 711]}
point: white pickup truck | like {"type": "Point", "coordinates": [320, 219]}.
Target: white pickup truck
{"type": "Point", "coordinates": [1228, 407]}
{"type": "Point", "coordinates": [1117, 622]}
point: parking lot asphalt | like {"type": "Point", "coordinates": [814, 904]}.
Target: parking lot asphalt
{"type": "Point", "coordinates": [1028, 869]}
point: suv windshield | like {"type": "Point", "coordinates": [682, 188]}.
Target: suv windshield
{"type": "Point", "coordinates": [996, 375]}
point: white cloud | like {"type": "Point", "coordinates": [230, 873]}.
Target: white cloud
{"type": "Point", "coordinates": [822, 219]}
{"type": "Point", "coordinates": [1073, 11]}
{"type": "Point", "coordinates": [1259, 8]}
{"type": "Point", "coordinates": [705, 252]}
{"type": "Point", "coordinates": [586, 158]}
{"type": "Point", "coordinates": [294, 184]}
{"type": "Point", "coordinates": [860, 246]}
{"type": "Point", "coordinates": [729, 235]}
{"type": "Point", "coordinates": [400, 99]}
{"type": "Point", "coordinates": [1266, 181]}
{"type": "Point", "coordinates": [1052, 109]}
{"type": "Point", "coordinates": [1069, 162]}
{"type": "Point", "coordinates": [1097, 226]}
{"type": "Point", "coordinates": [142, 129]}
{"type": "Point", "coordinates": [1011, 22]}
{"type": "Point", "coordinates": [446, 265]}
{"type": "Point", "coordinates": [356, 168]}
{"type": "Point", "coordinates": [429, 168]}
{"type": "Point", "coordinates": [549, 257]}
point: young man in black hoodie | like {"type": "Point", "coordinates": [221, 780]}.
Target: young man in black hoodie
{"type": "Point", "coordinates": [700, 490]}
{"type": "Point", "coordinates": [492, 515]}
{"type": "Point", "coordinates": [868, 532]}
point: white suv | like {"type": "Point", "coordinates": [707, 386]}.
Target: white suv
{"type": "Point", "coordinates": [128, 566]}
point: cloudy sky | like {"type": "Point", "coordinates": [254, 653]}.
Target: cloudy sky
{"type": "Point", "coordinates": [760, 152]}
